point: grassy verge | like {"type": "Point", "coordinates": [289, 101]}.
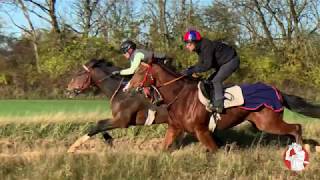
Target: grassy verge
{"type": "Point", "coordinates": [33, 145]}
{"type": "Point", "coordinates": [188, 163]}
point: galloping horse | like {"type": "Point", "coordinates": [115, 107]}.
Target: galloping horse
{"type": "Point", "coordinates": [186, 113]}
{"type": "Point", "coordinates": [127, 110]}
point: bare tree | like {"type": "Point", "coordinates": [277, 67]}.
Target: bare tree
{"type": "Point", "coordinates": [30, 30]}
{"type": "Point", "coordinates": [49, 8]}
{"type": "Point", "coordinates": [276, 20]}
{"type": "Point", "coordinates": [87, 13]}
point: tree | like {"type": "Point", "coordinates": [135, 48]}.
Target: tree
{"type": "Point", "coordinates": [48, 8]}
{"type": "Point", "coordinates": [30, 30]}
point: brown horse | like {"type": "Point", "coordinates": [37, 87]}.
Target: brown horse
{"type": "Point", "coordinates": [186, 113]}
{"type": "Point", "coordinates": [127, 110]}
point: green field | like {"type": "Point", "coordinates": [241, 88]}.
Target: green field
{"type": "Point", "coordinates": [41, 107]}
{"type": "Point", "coordinates": [34, 108]}
{"type": "Point", "coordinates": [35, 135]}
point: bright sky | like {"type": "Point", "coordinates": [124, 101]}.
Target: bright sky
{"type": "Point", "coordinates": [64, 7]}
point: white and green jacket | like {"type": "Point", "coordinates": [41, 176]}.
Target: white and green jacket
{"type": "Point", "coordinates": [138, 56]}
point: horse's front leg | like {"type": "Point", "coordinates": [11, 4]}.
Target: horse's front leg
{"type": "Point", "coordinates": [171, 134]}
{"type": "Point", "coordinates": [204, 136]}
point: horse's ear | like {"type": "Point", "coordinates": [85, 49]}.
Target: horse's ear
{"type": "Point", "coordinates": [86, 68]}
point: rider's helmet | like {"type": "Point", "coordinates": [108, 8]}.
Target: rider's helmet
{"type": "Point", "coordinates": [192, 36]}
{"type": "Point", "coordinates": [126, 45]}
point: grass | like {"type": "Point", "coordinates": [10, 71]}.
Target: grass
{"type": "Point", "coordinates": [36, 134]}
{"type": "Point", "coordinates": [22, 108]}
{"type": "Point", "coordinates": [256, 162]}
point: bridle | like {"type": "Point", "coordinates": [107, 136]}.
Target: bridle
{"type": "Point", "coordinates": [89, 81]}
{"type": "Point", "coordinates": [148, 77]}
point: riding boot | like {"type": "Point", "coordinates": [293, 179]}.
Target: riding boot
{"type": "Point", "coordinates": [211, 105]}
{"type": "Point", "coordinates": [218, 106]}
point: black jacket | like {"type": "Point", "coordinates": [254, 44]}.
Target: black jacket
{"type": "Point", "coordinates": [212, 54]}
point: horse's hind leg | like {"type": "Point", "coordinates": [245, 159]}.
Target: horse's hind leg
{"type": "Point", "coordinates": [272, 122]}
{"type": "Point", "coordinates": [102, 126]}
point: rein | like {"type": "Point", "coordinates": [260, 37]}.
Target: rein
{"type": "Point", "coordinates": [172, 81]}
{"type": "Point", "coordinates": [116, 91]}
{"type": "Point", "coordinates": [149, 74]}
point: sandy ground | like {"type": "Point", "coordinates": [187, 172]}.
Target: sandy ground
{"type": "Point", "coordinates": [10, 148]}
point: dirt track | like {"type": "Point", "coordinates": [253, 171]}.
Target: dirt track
{"type": "Point", "coordinates": [10, 148]}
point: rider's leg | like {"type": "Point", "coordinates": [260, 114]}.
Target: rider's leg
{"type": "Point", "coordinates": [222, 74]}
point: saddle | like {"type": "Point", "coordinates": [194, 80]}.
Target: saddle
{"type": "Point", "coordinates": [233, 95]}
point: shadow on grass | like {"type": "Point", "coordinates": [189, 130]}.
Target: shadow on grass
{"type": "Point", "coordinates": [248, 136]}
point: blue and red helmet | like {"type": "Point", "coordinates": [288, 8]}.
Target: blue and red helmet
{"type": "Point", "coordinates": [192, 36]}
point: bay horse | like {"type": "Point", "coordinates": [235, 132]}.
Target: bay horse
{"type": "Point", "coordinates": [186, 113]}
{"type": "Point", "coordinates": [127, 110]}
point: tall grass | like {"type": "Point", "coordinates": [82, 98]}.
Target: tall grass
{"type": "Point", "coordinates": [33, 145]}
{"type": "Point", "coordinates": [257, 162]}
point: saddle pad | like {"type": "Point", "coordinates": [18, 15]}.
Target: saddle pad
{"type": "Point", "coordinates": [260, 94]}
{"type": "Point", "coordinates": [233, 97]}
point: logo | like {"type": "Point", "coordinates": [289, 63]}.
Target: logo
{"type": "Point", "coordinates": [296, 158]}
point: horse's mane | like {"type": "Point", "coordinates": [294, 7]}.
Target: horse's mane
{"type": "Point", "coordinates": [98, 62]}
{"type": "Point", "coordinates": [167, 68]}
{"type": "Point", "coordinates": [171, 70]}
{"type": "Point", "coordinates": [105, 65]}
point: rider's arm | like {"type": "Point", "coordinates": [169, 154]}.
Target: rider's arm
{"type": "Point", "coordinates": [134, 64]}
{"type": "Point", "coordinates": [205, 61]}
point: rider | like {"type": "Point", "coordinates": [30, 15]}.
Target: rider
{"type": "Point", "coordinates": [136, 56]}
{"type": "Point", "coordinates": [212, 54]}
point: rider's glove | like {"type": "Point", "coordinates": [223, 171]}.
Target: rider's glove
{"type": "Point", "coordinates": [187, 72]}
{"type": "Point", "coordinates": [115, 73]}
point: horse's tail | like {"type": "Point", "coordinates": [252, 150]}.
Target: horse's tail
{"type": "Point", "coordinates": [299, 105]}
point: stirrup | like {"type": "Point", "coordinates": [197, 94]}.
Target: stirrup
{"type": "Point", "coordinates": [218, 109]}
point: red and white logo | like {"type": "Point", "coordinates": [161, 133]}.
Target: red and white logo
{"type": "Point", "coordinates": [296, 158]}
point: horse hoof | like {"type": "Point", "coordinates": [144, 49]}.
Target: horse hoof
{"type": "Point", "coordinates": [318, 149]}
{"type": "Point", "coordinates": [71, 150]}
{"type": "Point", "coordinates": [109, 142]}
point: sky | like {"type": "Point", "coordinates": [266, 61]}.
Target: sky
{"type": "Point", "coordinates": [64, 7]}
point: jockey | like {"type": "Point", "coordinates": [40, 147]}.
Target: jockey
{"type": "Point", "coordinates": [136, 56]}
{"type": "Point", "coordinates": [212, 54]}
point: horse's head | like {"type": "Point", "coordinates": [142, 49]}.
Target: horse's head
{"type": "Point", "coordinates": [155, 73]}
{"type": "Point", "coordinates": [90, 74]}
{"type": "Point", "coordinates": [143, 77]}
